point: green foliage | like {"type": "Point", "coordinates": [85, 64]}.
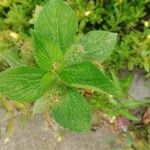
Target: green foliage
{"type": "Point", "coordinates": [73, 65]}
{"type": "Point", "coordinates": [40, 105]}
{"type": "Point", "coordinates": [118, 106]}
{"type": "Point", "coordinates": [15, 29]}
{"type": "Point", "coordinates": [98, 44]}
{"type": "Point", "coordinates": [114, 107]}
{"type": "Point", "coordinates": [134, 46]}
{"type": "Point", "coordinates": [51, 39]}
{"type": "Point", "coordinates": [114, 15]}
{"type": "Point", "coordinates": [24, 83]}
{"type": "Point", "coordinates": [58, 22]}
{"type": "Point", "coordinates": [12, 58]}
{"type": "Point", "coordinates": [47, 52]}
{"type": "Point", "coordinates": [134, 104]}
{"type": "Point", "coordinates": [73, 112]}
{"type": "Point", "coordinates": [87, 76]}
{"type": "Point", "coordinates": [16, 13]}
{"type": "Point", "coordinates": [129, 18]}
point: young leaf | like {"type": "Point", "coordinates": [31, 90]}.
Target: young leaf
{"type": "Point", "coordinates": [40, 105]}
{"type": "Point", "coordinates": [98, 44]}
{"type": "Point", "coordinates": [11, 56]}
{"type": "Point", "coordinates": [24, 83]}
{"type": "Point", "coordinates": [58, 22]}
{"type": "Point", "coordinates": [73, 112]}
{"type": "Point", "coordinates": [47, 53]}
{"type": "Point", "coordinates": [74, 55]}
{"type": "Point", "coordinates": [117, 82]}
{"type": "Point", "coordinates": [38, 9]}
{"type": "Point", "coordinates": [128, 115]}
{"type": "Point", "coordinates": [126, 82]}
{"type": "Point", "coordinates": [132, 104]}
{"type": "Point", "coordinates": [87, 76]}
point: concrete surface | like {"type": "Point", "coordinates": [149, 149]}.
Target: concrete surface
{"type": "Point", "coordinates": [37, 136]}
{"type": "Point", "coordinates": [140, 87]}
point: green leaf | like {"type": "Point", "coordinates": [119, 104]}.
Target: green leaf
{"type": "Point", "coordinates": [73, 55]}
{"type": "Point", "coordinates": [40, 105]}
{"type": "Point", "coordinates": [24, 83]}
{"type": "Point", "coordinates": [126, 82]}
{"type": "Point", "coordinates": [117, 83]}
{"type": "Point", "coordinates": [47, 53]}
{"type": "Point", "coordinates": [12, 57]}
{"type": "Point", "coordinates": [132, 104]}
{"type": "Point", "coordinates": [36, 14]}
{"type": "Point", "coordinates": [58, 22]}
{"type": "Point", "coordinates": [87, 76]}
{"type": "Point", "coordinates": [128, 115]}
{"type": "Point", "coordinates": [98, 44]}
{"type": "Point", "coordinates": [73, 112]}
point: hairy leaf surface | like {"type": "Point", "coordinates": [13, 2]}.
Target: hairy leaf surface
{"type": "Point", "coordinates": [47, 53]}
{"type": "Point", "coordinates": [73, 112]}
{"type": "Point", "coordinates": [24, 83]}
{"type": "Point", "coordinates": [98, 44]}
{"type": "Point", "coordinates": [40, 105]}
{"type": "Point", "coordinates": [87, 76]}
{"type": "Point", "coordinates": [58, 22]}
